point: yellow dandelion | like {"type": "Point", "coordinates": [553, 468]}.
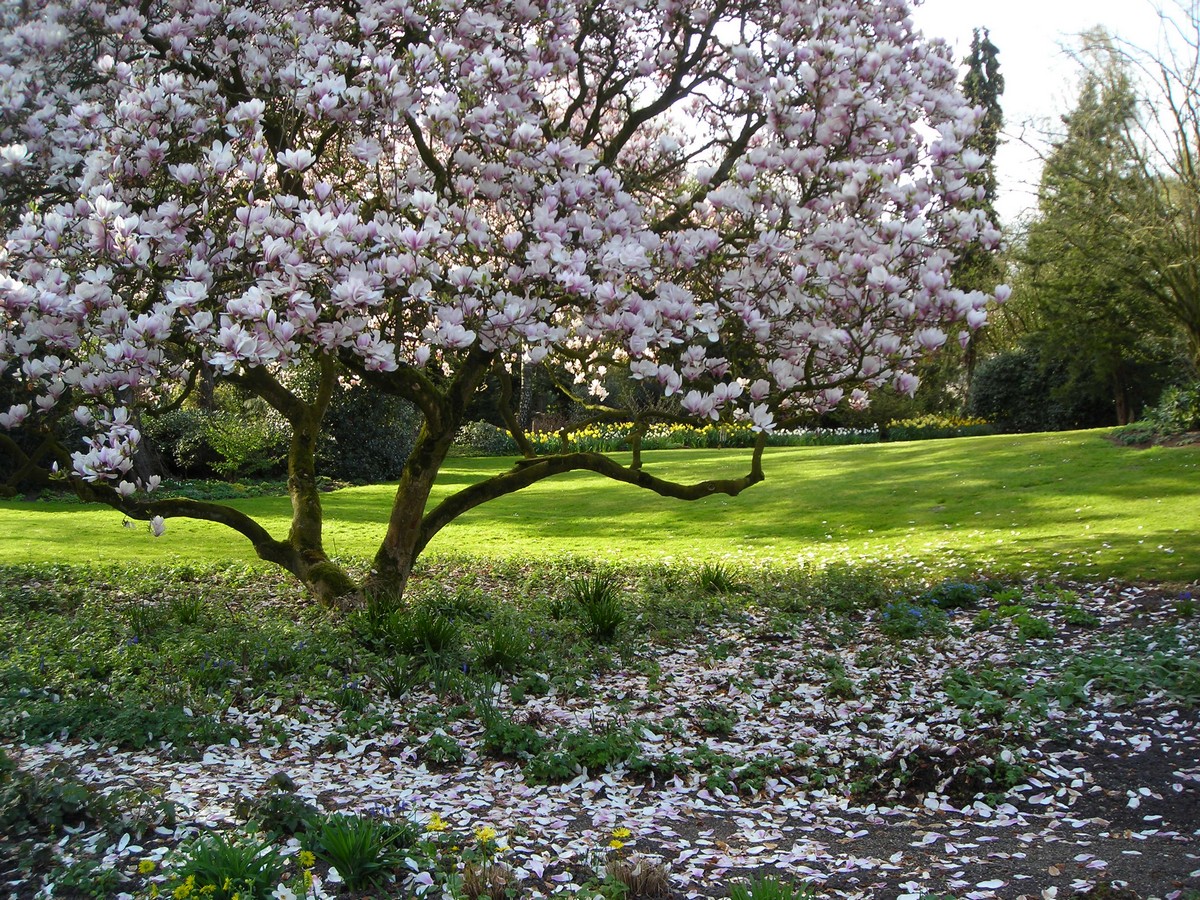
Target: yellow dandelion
{"type": "Point", "coordinates": [615, 844]}
{"type": "Point", "coordinates": [437, 823]}
{"type": "Point", "coordinates": [307, 860]}
{"type": "Point", "coordinates": [145, 867]}
{"type": "Point", "coordinates": [621, 833]}
{"type": "Point", "coordinates": [485, 833]}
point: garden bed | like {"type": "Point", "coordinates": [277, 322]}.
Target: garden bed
{"type": "Point", "coordinates": [856, 737]}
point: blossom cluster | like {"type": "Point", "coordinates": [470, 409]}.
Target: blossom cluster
{"type": "Point", "coordinates": [756, 209]}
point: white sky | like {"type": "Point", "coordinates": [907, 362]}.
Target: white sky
{"type": "Point", "coordinates": [1040, 80]}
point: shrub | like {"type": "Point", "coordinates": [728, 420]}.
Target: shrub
{"type": "Point", "coordinates": [484, 439]}
{"type": "Point", "coordinates": [368, 437]}
{"type": "Point", "coordinates": [1028, 389]}
{"type": "Point", "coordinates": [180, 438]}
{"type": "Point", "coordinates": [936, 426]}
{"type": "Point", "coordinates": [239, 437]}
{"type": "Point", "coordinates": [1177, 410]}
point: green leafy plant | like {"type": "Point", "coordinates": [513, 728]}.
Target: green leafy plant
{"type": "Point", "coordinates": [904, 619]}
{"type": "Point", "coordinates": [86, 879]}
{"type": "Point", "coordinates": [1031, 627]}
{"type": "Point", "coordinates": [952, 595]}
{"type": "Point", "coordinates": [279, 813]}
{"type": "Point", "coordinates": [505, 739]}
{"type": "Point", "coordinates": [441, 751]}
{"type": "Point", "coordinates": [716, 719]}
{"type": "Point", "coordinates": [432, 633]}
{"type": "Point", "coordinates": [224, 867]}
{"type": "Point", "coordinates": [47, 802]}
{"type": "Point", "coordinates": [186, 609]}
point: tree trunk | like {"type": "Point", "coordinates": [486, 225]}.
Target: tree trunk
{"type": "Point", "coordinates": [525, 409]}
{"type": "Point", "coordinates": [405, 538]}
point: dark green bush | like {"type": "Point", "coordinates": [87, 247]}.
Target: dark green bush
{"type": "Point", "coordinates": [368, 436]}
{"type": "Point", "coordinates": [1177, 410]}
{"type": "Point", "coordinates": [1026, 390]}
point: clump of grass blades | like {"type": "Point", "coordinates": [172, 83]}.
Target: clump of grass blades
{"type": "Point", "coordinates": [363, 849]}
{"type": "Point", "coordinates": [771, 889]}
{"type": "Point", "coordinates": [505, 648]}
{"type": "Point", "coordinates": [598, 597]}
{"type": "Point", "coordinates": [716, 578]}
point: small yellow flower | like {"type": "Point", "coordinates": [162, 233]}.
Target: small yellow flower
{"type": "Point", "coordinates": [616, 845]}
{"type": "Point", "coordinates": [228, 883]}
{"type": "Point", "coordinates": [437, 823]}
{"type": "Point", "coordinates": [307, 860]}
{"type": "Point", "coordinates": [154, 892]}
{"type": "Point", "coordinates": [621, 833]}
{"type": "Point", "coordinates": [308, 879]}
{"type": "Point", "coordinates": [145, 867]}
{"type": "Point", "coordinates": [485, 833]}
{"type": "Point", "coordinates": [185, 890]}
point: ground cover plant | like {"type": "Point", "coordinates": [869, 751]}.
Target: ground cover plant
{"type": "Point", "coordinates": [1072, 502]}
{"type": "Point", "coordinates": [775, 731]}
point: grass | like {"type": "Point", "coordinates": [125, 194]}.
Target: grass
{"type": "Point", "coordinates": [1067, 502]}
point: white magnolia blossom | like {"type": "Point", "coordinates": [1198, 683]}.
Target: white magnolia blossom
{"type": "Point", "coordinates": [779, 238]}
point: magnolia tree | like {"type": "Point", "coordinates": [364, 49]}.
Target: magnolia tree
{"type": "Point", "coordinates": [751, 207]}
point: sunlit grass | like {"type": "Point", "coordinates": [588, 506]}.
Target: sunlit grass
{"type": "Point", "coordinates": [1071, 503]}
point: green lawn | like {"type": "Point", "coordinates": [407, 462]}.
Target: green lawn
{"type": "Point", "coordinates": [1070, 502]}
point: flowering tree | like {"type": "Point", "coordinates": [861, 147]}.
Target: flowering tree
{"type": "Point", "coordinates": [750, 206]}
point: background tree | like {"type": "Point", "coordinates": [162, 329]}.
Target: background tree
{"type": "Point", "coordinates": [753, 207]}
{"type": "Point", "coordinates": [980, 267]}
{"type": "Point", "coordinates": [1086, 278]}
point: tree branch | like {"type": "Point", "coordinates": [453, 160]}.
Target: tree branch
{"type": "Point", "coordinates": [530, 471]}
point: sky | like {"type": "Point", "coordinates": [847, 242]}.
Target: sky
{"type": "Point", "coordinates": [1040, 78]}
